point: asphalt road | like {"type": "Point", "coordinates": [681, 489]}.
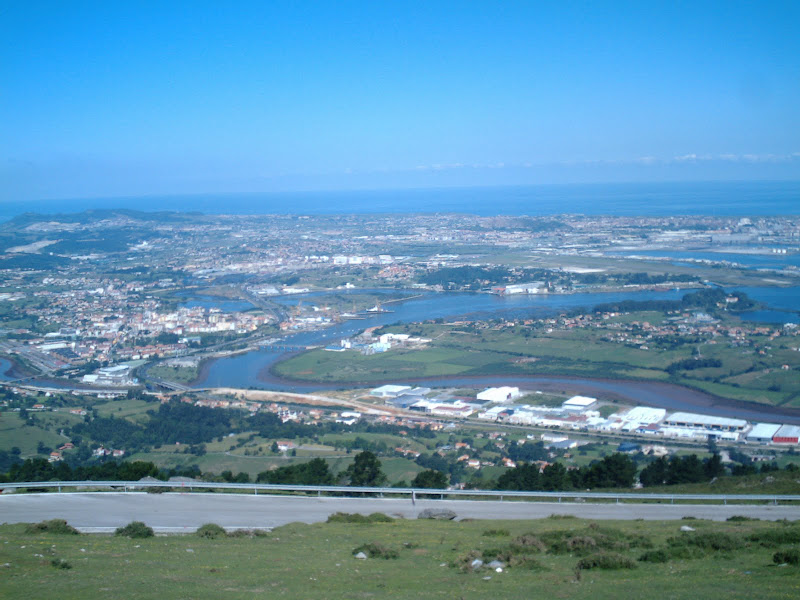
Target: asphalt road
{"type": "Point", "coordinates": [105, 511]}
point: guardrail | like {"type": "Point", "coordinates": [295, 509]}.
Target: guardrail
{"type": "Point", "coordinates": [342, 490]}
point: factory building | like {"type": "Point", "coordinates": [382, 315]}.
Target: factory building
{"type": "Point", "coordinates": [686, 420]}
{"type": "Point", "coordinates": [499, 394]}
{"type": "Point", "coordinates": [787, 434]}
{"type": "Point", "coordinates": [578, 403]}
{"type": "Point", "coordinates": [763, 432]}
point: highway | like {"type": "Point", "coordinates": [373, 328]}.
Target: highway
{"type": "Point", "coordinates": [176, 512]}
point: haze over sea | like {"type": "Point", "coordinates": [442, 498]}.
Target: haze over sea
{"type": "Point", "coordinates": [732, 198]}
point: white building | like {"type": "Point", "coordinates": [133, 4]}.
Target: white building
{"type": "Point", "coordinates": [578, 403]}
{"type": "Point", "coordinates": [389, 391]}
{"type": "Point", "coordinates": [705, 422]}
{"type": "Point", "coordinates": [763, 432]}
{"type": "Point", "coordinates": [499, 394]}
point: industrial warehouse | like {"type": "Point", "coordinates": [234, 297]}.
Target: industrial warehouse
{"type": "Point", "coordinates": [581, 413]}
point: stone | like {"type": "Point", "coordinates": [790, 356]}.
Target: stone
{"type": "Point", "coordinates": [476, 564]}
{"type": "Point", "coordinates": [686, 528]}
{"type": "Point", "coordinates": [496, 564]}
{"type": "Point", "coordinates": [440, 514]}
{"type": "Point", "coordinates": [361, 556]}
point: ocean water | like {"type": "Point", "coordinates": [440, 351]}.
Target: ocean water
{"type": "Point", "coordinates": [646, 199]}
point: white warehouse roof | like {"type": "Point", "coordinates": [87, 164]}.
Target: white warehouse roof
{"type": "Point", "coordinates": [763, 431]}
{"type": "Point", "coordinates": [499, 394]}
{"type": "Point", "coordinates": [389, 390]}
{"type": "Point", "coordinates": [788, 431]}
{"type": "Point", "coordinates": [698, 420]}
{"type": "Point", "coordinates": [644, 414]}
{"type": "Point", "coordinates": [579, 402]}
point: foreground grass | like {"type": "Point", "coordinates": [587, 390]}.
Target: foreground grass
{"type": "Point", "coordinates": [730, 560]}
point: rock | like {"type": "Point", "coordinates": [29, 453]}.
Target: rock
{"type": "Point", "coordinates": [440, 514]}
{"type": "Point", "coordinates": [499, 569]}
{"type": "Point", "coordinates": [487, 578]}
{"type": "Point", "coordinates": [476, 564]}
{"type": "Point", "coordinates": [686, 528]}
{"type": "Point", "coordinates": [495, 564]}
{"type": "Point", "coordinates": [361, 556]}
{"type": "Point", "coordinates": [768, 479]}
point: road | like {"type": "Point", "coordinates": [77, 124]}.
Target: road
{"type": "Point", "coordinates": [185, 512]}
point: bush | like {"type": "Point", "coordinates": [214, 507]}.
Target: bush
{"type": "Point", "coordinates": [135, 529]}
{"type": "Point", "coordinates": [374, 550]}
{"type": "Point", "coordinates": [496, 532]}
{"type": "Point", "coordinates": [528, 542]}
{"type": "Point", "coordinates": [741, 518]}
{"type": "Point", "coordinates": [790, 557]}
{"type": "Point", "coordinates": [776, 537]}
{"type": "Point", "coordinates": [655, 556]}
{"type": "Point", "coordinates": [606, 560]}
{"type": "Point", "coordinates": [210, 530]}
{"type": "Point", "coordinates": [60, 563]}
{"type": "Point", "coordinates": [376, 517]}
{"type": "Point", "coordinates": [249, 533]}
{"type": "Point", "coordinates": [57, 526]}
{"type": "Point", "coordinates": [710, 540]}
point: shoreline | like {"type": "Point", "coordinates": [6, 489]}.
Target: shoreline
{"type": "Point", "coordinates": [638, 391]}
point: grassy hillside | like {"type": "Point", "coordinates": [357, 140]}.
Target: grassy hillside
{"type": "Point", "coordinates": [426, 559]}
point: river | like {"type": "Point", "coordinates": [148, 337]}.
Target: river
{"type": "Point", "coordinates": [252, 369]}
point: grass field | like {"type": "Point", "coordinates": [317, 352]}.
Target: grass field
{"type": "Point", "coordinates": [717, 560]}
{"type": "Point", "coordinates": [14, 433]}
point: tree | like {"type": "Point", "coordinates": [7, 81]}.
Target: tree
{"type": "Point", "coordinates": [688, 469]}
{"type": "Point", "coordinates": [713, 467]}
{"type": "Point", "coordinates": [655, 473]}
{"type": "Point", "coordinates": [522, 477]}
{"type": "Point", "coordinates": [430, 479]}
{"type": "Point", "coordinates": [365, 471]}
{"type": "Point", "coordinates": [555, 478]}
{"type": "Point", "coordinates": [616, 470]}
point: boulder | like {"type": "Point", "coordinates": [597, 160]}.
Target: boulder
{"type": "Point", "coordinates": [686, 528]}
{"type": "Point", "coordinates": [360, 556]}
{"type": "Point", "coordinates": [440, 514]}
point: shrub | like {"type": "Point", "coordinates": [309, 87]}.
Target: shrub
{"type": "Point", "coordinates": [250, 533]}
{"type": "Point", "coordinates": [374, 550]}
{"type": "Point", "coordinates": [791, 557]}
{"type": "Point", "coordinates": [709, 540]}
{"type": "Point", "coordinates": [376, 517]}
{"type": "Point", "coordinates": [741, 518]}
{"type": "Point", "coordinates": [580, 543]}
{"type": "Point", "coordinates": [341, 517]}
{"type": "Point", "coordinates": [525, 561]}
{"type": "Point", "coordinates": [58, 526]}
{"type": "Point", "coordinates": [60, 563]}
{"type": "Point", "coordinates": [775, 537]}
{"type": "Point", "coordinates": [210, 530]}
{"type": "Point", "coordinates": [496, 532]}
{"type": "Point", "coordinates": [135, 529]}
{"type": "Point", "coordinates": [528, 542]}
{"type": "Point", "coordinates": [655, 556]}
{"type": "Point", "coordinates": [606, 560]}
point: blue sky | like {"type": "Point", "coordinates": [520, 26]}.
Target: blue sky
{"type": "Point", "coordinates": [128, 98]}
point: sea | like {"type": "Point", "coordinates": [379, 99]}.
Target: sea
{"type": "Point", "coordinates": [730, 198]}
